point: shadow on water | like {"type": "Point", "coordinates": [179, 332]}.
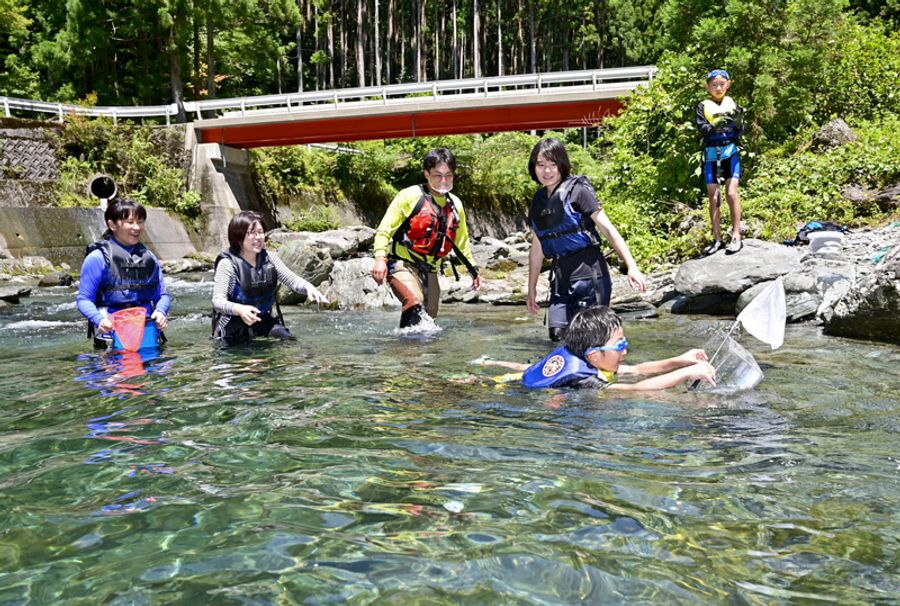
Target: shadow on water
{"type": "Point", "coordinates": [352, 466]}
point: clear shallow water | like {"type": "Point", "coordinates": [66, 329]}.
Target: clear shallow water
{"type": "Point", "coordinates": [351, 467]}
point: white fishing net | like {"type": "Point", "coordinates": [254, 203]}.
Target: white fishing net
{"type": "Point", "coordinates": [736, 369]}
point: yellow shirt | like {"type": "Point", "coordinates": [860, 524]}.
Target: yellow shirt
{"type": "Point", "coordinates": [402, 206]}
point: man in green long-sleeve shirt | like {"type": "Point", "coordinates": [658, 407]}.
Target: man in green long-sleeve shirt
{"type": "Point", "coordinates": [423, 224]}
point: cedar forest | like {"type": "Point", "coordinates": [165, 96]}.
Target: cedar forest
{"type": "Point", "coordinates": [796, 64]}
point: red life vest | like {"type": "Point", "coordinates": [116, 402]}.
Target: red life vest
{"type": "Point", "coordinates": [430, 229]}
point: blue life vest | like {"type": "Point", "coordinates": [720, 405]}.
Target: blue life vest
{"type": "Point", "coordinates": [560, 368]}
{"type": "Point", "coordinates": [561, 229]}
{"type": "Point", "coordinates": [255, 286]}
{"type": "Point", "coordinates": [131, 279]}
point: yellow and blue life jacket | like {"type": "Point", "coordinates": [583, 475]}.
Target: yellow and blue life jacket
{"type": "Point", "coordinates": [721, 140]}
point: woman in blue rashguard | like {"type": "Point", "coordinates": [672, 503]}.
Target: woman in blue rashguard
{"type": "Point", "coordinates": [119, 272]}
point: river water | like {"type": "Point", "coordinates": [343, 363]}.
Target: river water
{"type": "Point", "coordinates": [353, 466]}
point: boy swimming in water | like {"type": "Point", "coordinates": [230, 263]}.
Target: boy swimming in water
{"type": "Point", "coordinates": [595, 346]}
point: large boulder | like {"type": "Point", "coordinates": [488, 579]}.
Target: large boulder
{"type": "Point", "coordinates": [819, 278]}
{"type": "Point", "coordinates": [506, 288]}
{"type": "Point", "coordinates": [889, 199]}
{"type": "Point", "coordinates": [834, 134]}
{"type": "Point", "coordinates": [713, 304]}
{"type": "Point", "coordinates": [12, 294]}
{"type": "Point", "coordinates": [307, 261]}
{"type": "Point", "coordinates": [351, 286]}
{"type": "Point", "coordinates": [310, 262]}
{"type": "Point", "coordinates": [180, 266]}
{"type": "Point", "coordinates": [55, 278]}
{"type": "Point", "coordinates": [627, 301]}
{"type": "Point", "coordinates": [871, 307]}
{"type": "Point", "coordinates": [759, 261]}
{"type": "Point", "coordinates": [489, 252]}
{"type": "Point", "coordinates": [661, 287]}
{"type": "Point", "coordinates": [340, 243]}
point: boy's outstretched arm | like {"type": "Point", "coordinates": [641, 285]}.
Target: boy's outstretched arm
{"type": "Point", "coordinates": [692, 356]}
{"type": "Point", "coordinates": [701, 370]}
{"type": "Point", "coordinates": [504, 364]}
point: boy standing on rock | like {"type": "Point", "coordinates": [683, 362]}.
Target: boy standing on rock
{"type": "Point", "coordinates": [721, 123]}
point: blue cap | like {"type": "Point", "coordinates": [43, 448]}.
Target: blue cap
{"type": "Point", "coordinates": [717, 72]}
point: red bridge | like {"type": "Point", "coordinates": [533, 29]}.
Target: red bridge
{"type": "Point", "coordinates": [529, 102]}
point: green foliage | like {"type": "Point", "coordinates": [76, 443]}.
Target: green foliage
{"type": "Point", "coordinates": [807, 185]}
{"type": "Point", "coordinates": [318, 218]}
{"type": "Point", "coordinates": [493, 172]}
{"type": "Point", "coordinates": [147, 164]}
{"type": "Point", "coordinates": [12, 17]}
{"type": "Point", "coordinates": [285, 173]}
{"type": "Point", "coordinates": [364, 178]}
{"type": "Point", "coordinates": [74, 175]}
{"type": "Point", "coordinates": [164, 186]}
{"type": "Point", "coordinates": [861, 80]}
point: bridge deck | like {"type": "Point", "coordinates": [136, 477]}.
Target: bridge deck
{"type": "Point", "coordinates": [455, 114]}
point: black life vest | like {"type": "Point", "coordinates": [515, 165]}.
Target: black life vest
{"type": "Point", "coordinates": [561, 229]}
{"type": "Point", "coordinates": [430, 230]}
{"type": "Point", "coordinates": [133, 277]}
{"type": "Point", "coordinates": [255, 286]}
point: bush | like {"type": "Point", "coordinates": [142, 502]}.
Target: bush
{"type": "Point", "coordinates": [790, 189]}
{"type": "Point", "coordinates": [319, 218]}
{"type": "Point", "coordinates": [74, 175]}
{"type": "Point", "coordinates": [861, 79]}
{"type": "Point", "coordinates": [148, 164]}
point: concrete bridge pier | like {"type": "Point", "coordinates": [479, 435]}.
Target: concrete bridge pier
{"type": "Point", "coordinates": [221, 174]}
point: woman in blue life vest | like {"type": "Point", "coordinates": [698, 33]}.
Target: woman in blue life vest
{"type": "Point", "coordinates": [246, 280]}
{"type": "Point", "coordinates": [119, 272]}
{"type": "Point", "coordinates": [567, 220]}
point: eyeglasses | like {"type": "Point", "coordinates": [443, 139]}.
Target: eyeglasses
{"type": "Point", "coordinates": [256, 234]}
{"type": "Point", "coordinates": [620, 345]}
{"type": "Point", "coordinates": [437, 177]}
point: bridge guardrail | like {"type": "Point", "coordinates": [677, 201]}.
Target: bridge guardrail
{"type": "Point", "coordinates": [599, 79]}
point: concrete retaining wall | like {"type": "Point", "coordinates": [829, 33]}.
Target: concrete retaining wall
{"type": "Point", "coordinates": [61, 234]}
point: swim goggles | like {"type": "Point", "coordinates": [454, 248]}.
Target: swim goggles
{"type": "Point", "coordinates": [717, 72]}
{"type": "Point", "coordinates": [620, 345]}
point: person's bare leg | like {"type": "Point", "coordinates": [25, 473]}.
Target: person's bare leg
{"type": "Point", "coordinates": [715, 214]}
{"type": "Point", "coordinates": [734, 205]}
